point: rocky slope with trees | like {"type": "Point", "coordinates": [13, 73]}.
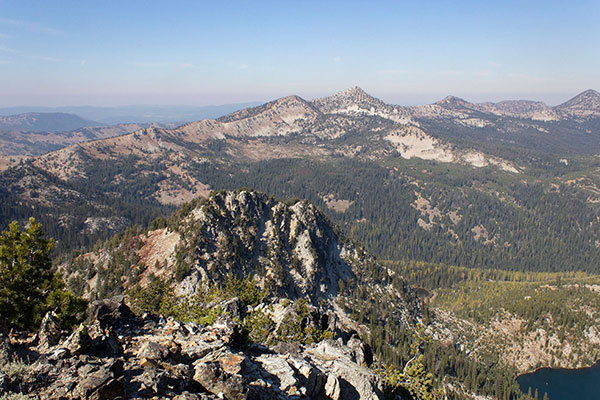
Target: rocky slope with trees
{"type": "Point", "coordinates": [296, 258]}
{"type": "Point", "coordinates": [251, 301]}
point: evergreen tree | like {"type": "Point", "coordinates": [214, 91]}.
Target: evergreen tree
{"type": "Point", "coordinates": [29, 286]}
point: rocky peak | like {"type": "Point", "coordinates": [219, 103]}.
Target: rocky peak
{"type": "Point", "coordinates": [352, 97]}
{"type": "Point", "coordinates": [585, 103]}
{"type": "Point", "coordinates": [290, 248]}
{"type": "Point", "coordinates": [448, 107]}
{"type": "Point", "coordinates": [454, 102]}
{"type": "Point", "coordinates": [355, 101]}
{"type": "Point", "coordinates": [280, 117]}
{"type": "Point", "coordinates": [291, 102]}
{"type": "Point", "coordinates": [355, 94]}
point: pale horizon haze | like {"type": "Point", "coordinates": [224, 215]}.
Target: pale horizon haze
{"type": "Point", "coordinates": [110, 53]}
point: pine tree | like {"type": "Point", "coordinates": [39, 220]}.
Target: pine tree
{"type": "Point", "coordinates": [29, 287]}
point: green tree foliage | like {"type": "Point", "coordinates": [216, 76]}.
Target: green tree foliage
{"type": "Point", "coordinates": [296, 327]}
{"type": "Point", "coordinates": [29, 285]}
{"type": "Point", "coordinates": [258, 326]}
{"type": "Point", "coordinates": [134, 203]}
{"type": "Point", "coordinates": [156, 297]}
{"type": "Point", "coordinates": [244, 289]}
{"type": "Point", "coordinates": [148, 299]}
{"type": "Point", "coordinates": [414, 381]}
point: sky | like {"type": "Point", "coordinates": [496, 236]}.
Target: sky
{"type": "Point", "coordinates": [121, 52]}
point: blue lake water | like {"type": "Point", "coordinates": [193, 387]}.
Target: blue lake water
{"type": "Point", "coordinates": [564, 384]}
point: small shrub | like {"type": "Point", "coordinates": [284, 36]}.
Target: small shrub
{"type": "Point", "coordinates": [18, 374]}
{"type": "Point", "coordinates": [244, 289]}
{"type": "Point", "coordinates": [69, 308]}
{"type": "Point", "coordinates": [158, 298]}
{"type": "Point", "coordinates": [258, 326]}
{"type": "Point", "coordinates": [296, 328]}
{"type": "Point", "coordinates": [158, 223]}
{"type": "Point", "coordinates": [149, 298]}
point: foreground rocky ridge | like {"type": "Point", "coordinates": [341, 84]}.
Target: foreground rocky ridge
{"type": "Point", "coordinates": [118, 355]}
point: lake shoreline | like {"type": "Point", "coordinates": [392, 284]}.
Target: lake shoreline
{"type": "Point", "coordinates": [563, 383]}
{"type": "Point", "coordinates": [533, 371]}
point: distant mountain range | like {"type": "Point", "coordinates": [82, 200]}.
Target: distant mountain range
{"type": "Point", "coordinates": [585, 104]}
{"type": "Point", "coordinates": [40, 131]}
{"type": "Point", "coordinates": [154, 168]}
{"type": "Point", "coordinates": [135, 113]}
{"type": "Point", "coordinates": [529, 118]}
{"type": "Point", "coordinates": [43, 122]}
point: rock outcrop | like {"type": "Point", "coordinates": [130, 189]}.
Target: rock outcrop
{"type": "Point", "coordinates": [126, 356]}
{"type": "Point", "coordinates": [49, 333]}
{"type": "Point", "coordinates": [292, 248]}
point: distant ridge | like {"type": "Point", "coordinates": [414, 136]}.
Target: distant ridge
{"type": "Point", "coordinates": [355, 100]}
{"type": "Point", "coordinates": [326, 117]}
{"type": "Point", "coordinates": [585, 104]}
{"type": "Point", "coordinates": [137, 113]}
{"type": "Point", "coordinates": [44, 122]}
{"type": "Point", "coordinates": [275, 106]}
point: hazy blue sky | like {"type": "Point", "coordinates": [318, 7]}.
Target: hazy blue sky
{"type": "Point", "coordinates": [107, 52]}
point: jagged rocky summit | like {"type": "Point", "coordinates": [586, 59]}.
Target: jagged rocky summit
{"type": "Point", "coordinates": [290, 250]}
